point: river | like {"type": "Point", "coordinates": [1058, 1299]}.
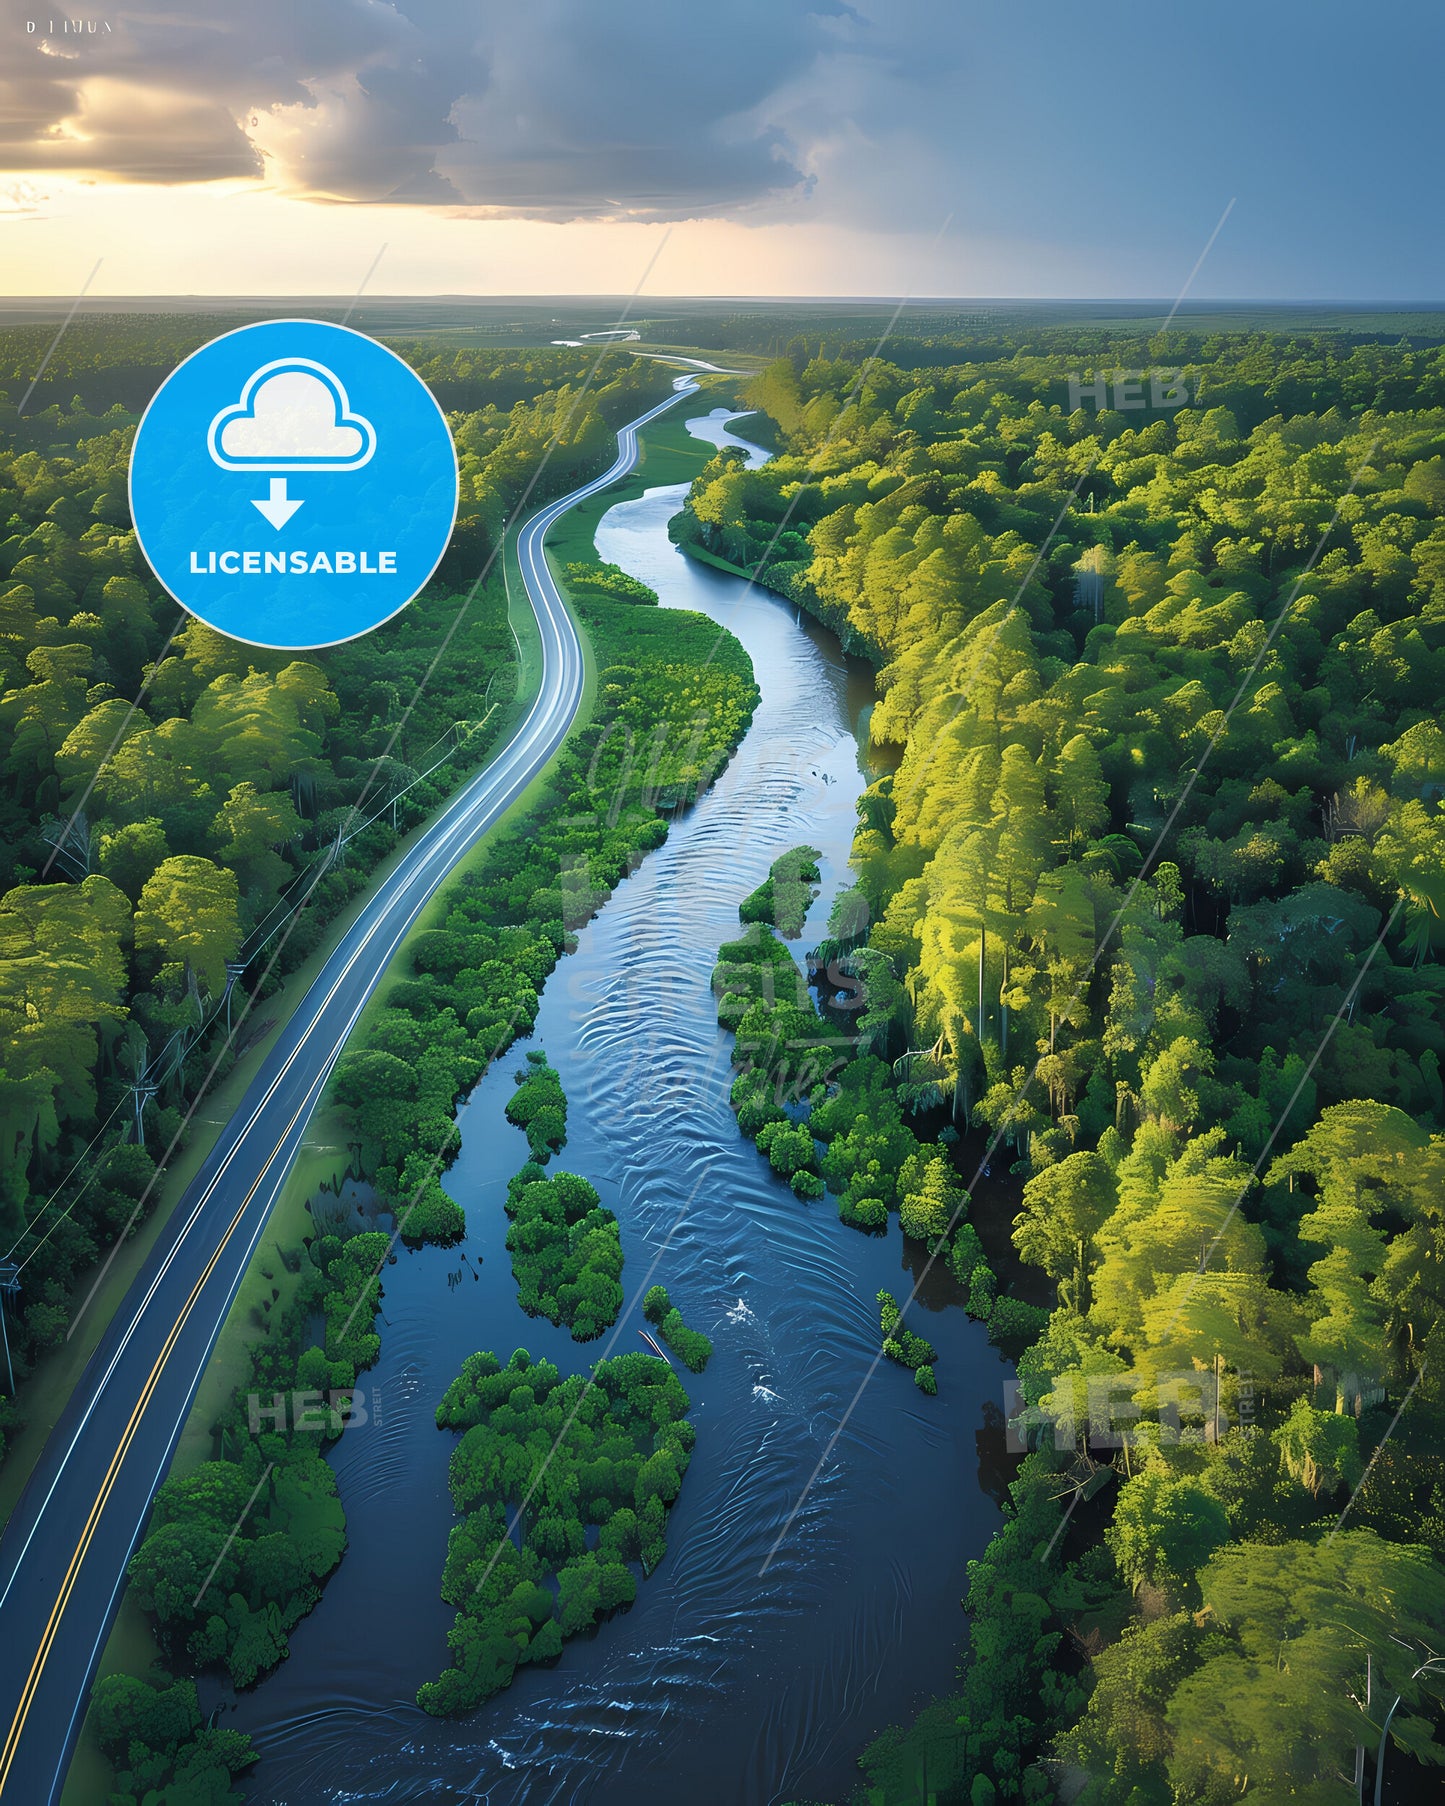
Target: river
{"type": "Point", "coordinates": [724, 1682]}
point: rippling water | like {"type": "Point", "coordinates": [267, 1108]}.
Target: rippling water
{"type": "Point", "coordinates": [724, 1682]}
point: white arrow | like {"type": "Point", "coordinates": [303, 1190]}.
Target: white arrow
{"type": "Point", "coordinates": [277, 509]}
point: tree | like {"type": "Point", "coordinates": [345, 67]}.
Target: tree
{"type": "Point", "coordinates": [788, 1146]}
{"type": "Point", "coordinates": [1023, 843]}
{"type": "Point", "coordinates": [1282, 1701]}
{"type": "Point", "coordinates": [1124, 1732]}
{"type": "Point", "coordinates": [1375, 1170]}
{"type": "Point", "coordinates": [1178, 1237]}
{"type": "Point", "coordinates": [1319, 1450]}
{"type": "Point", "coordinates": [62, 985]}
{"type": "Point", "coordinates": [1064, 1207]}
{"type": "Point", "coordinates": [379, 1091]}
{"type": "Point", "coordinates": [154, 1737]}
{"type": "Point", "coordinates": [189, 915]}
{"type": "Point", "coordinates": [84, 753]}
{"type": "Point", "coordinates": [169, 1570]}
{"type": "Point", "coordinates": [41, 715]}
{"type": "Point", "coordinates": [1082, 790]}
{"type": "Point", "coordinates": [1170, 1088]}
{"type": "Point", "coordinates": [1165, 1529]}
{"type": "Point", "coordinates": [932, 1199]}
{"type": "Point", "coordinates": [1418, 758]}
{"type": "Point", "coordinates": [131, 854]}
{"type": "Point", "coordinates": [249, 828]}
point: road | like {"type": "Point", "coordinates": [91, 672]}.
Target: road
{"type": "Point", "coordinates": [64, 1552]}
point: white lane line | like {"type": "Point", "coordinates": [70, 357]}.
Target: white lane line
{"type": "Point", "coordinates": [469, 815]}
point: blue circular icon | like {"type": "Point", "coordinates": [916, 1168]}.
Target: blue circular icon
{"type": "Point", "coordinates": [293, 484]}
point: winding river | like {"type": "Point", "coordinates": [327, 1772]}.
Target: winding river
{"type": "Point", "coordinates": [734, 1677]}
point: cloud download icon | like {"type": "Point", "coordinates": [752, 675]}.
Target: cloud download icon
{"type": "Point", "coordinates": [293, 415]}
{"type": "Point", "coordinates": [284, 398]}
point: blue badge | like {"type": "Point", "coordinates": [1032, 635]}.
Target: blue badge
{"type": "Point", "coordinates": [293, 484]}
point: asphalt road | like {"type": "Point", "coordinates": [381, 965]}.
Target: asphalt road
{"type": "Point", "coordinates": [65, 1549]}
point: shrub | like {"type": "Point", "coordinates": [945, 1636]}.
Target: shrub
{"type": "Point", "coordinates": [691, 1345]}
{"type": "Point", "coordinates": [1012, 1320]}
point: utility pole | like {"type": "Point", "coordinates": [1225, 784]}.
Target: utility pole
{"type": "Point", "coordinates": [235, 971]}
{"type": "Point", "coordinates": [1424, 1668]}
{"type": "Point", "coordinates": [9, 1288]}
{"type": "Point", "coordinates": [1359, 1747]}
{"type": "Point", "coordinates": [982, 949]}
{"type": "Point", "coordinates": [141, 1094]}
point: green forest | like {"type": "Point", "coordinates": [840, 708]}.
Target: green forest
{"type": "Point", "coordinates": [463, 989]}
{"type": "Point", "coordinates": [621, 1443]}
{"type": "Point", "coordinates": [181, 816]}
{"type": "Point", "coordinates": [241, 802]}
{"type": "Point", "coordinates": [1148, 904]}
{"type": "Point", "coordinates": [564, 1242]}
{"type": "Point", "coordinates": [1145, 909]}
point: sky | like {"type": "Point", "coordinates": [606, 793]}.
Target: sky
{"type": "Point", "coordinates": [732, 147]}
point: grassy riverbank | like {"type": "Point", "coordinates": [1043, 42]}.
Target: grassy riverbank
{"type": "Point", "coordinates": [669, 455]}
{"type": "Point", "coordinates": [235, 768]}
{"type": "Point", "coordinates": [508, 911]}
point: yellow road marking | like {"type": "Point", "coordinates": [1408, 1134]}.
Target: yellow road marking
{"type": "Point", "coordinates": [67, 1587]}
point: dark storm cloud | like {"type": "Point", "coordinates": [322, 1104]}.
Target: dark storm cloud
{"type": "Point", "coordinates": [557, 109]}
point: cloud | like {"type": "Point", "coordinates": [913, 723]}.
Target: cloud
{"type": "Point", "coordinates": [291, 416]}
{"type": "Point", "coordinates": [559, 109]}
{"type": "Point", "coordinates": [21, 200]}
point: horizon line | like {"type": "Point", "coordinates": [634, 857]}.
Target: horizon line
{"type": "Point", "coordinates": [1195, 305]}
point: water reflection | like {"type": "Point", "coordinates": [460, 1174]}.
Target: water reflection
{"type": "Point", "coordinates": [727, 1685]}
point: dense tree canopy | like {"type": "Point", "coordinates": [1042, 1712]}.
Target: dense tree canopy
{"type": "Point", "coordinates": [584, 1470]}
{"type": "Point", "coordinates": [1147, 903]}
{"type": "Point", "coordinates": [168, 795]}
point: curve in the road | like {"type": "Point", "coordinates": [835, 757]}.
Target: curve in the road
{"type": "Point", "coordinates": [64, 1552]}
